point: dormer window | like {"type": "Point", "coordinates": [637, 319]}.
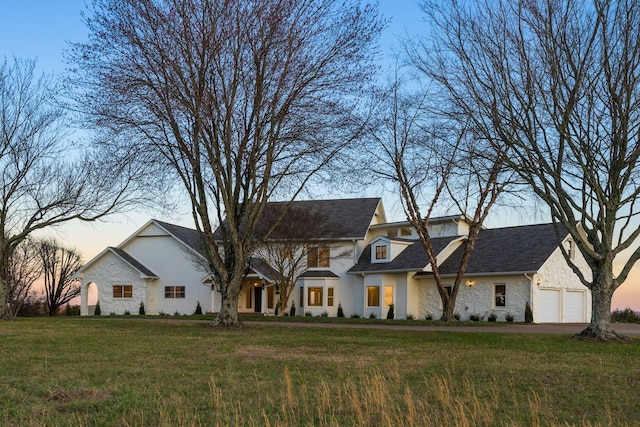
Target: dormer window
{"type": "Point", "coordinates": [381, 252]}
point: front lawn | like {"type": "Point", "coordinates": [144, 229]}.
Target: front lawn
{"type": "Point", "coordinates": [166, 372]}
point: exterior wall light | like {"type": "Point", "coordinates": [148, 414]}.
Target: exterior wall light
{"type": "Point", "coordinates": [471, 283]}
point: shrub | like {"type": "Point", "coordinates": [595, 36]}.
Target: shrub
{"type": "Point", "coordinates": [141, 309]}
{"type": "Point", "coordinates": [72, 310]}
{"type": "Point", "coordinates": [127, 313]}
{"type": "Point", "coordinates": [410, 317]}
{"type": "Point", "coordinates": [162, 313]}
{"type": "Point", "coordinates": [509, 317]}
{"type": "Point", "coordinates": [372, 315]}
{"type": "Point", "coordinates": [324, 314]}
{"type": "Point", "coordinates": [198, 308]}
{"type": "Point", "coordinates": [625, 316]}
{"type": "Point", "coordinates": [340, 312]}
{"type": "Point", "coordinates": [456, 316]}
{"type": "Point", "coordinates": [390, 314]}
{"type": "Point", "coordinates": [355, 316]}
{"type": "Point", "coordinates": [113, 313]}
{"type": "Point", "coordinates": [528, 314]}
{"type": "Point", "coordinates": [292, 312]}
{"type": "Point", "coordinates": [308, 314]}
{"type": "Point", "coordinates": [177, 313]}
{"type": "Point", "coordinates": [492, 317]}
{"type": "Point", "coordinates": [474, 317]}
{"type": "Point", "coordinates": [97, 312]}
{"type": "Point", "coordinates": [428, 316]}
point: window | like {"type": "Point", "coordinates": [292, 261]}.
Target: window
{"type": "Point", "coordinates": [270, 294]}
{"type": "Point", "coordinates": [373, 296]}
{"type": "Point", "coordinates": [318, 256]}
{"type": "Point", "coordinates": [314, 297]}
{"type": "Point", "coordinates": [174, 291]}
{"type": "Point", "coordinates": [392, 233]}
{"type": "Point", "coordinates": [286, 253]}
{"type": "Point", "coordinates": [388, 295]}
{"type": "Point", "coordinates": [500, 295]}
{"type": "Point", "coordinates": [381, 251]}
{"type": "Point", "coordinates": [248, 296]}
{"type": "Point", "coordinates": [405, 232]}
{"type": "Point", "coordinates": [122, 291]}
{"type": "Point", "coordinates": [330, 297]}
{"type": "Point", "coordinates": [570, 249]}
{"type": "Point", "coordinates": [449, 289]}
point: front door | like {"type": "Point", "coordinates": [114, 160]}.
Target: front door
{"type": "Point", "coordinates": [258, 299]}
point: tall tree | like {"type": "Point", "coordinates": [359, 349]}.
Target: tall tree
{"type": "Point", "coordinates": [558, 83]}
{"type": "Point", "coordinates": [436, 162]}
{"type": "Point", "coordinates": [236, 99]}
{"type": "Point", "coordinates": [58, 266]}
{"type": "Point", "coordinates": [25, 269]}
{"type": "Point", "coordinates": [45, 180]}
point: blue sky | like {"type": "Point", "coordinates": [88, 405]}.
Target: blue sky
{"type": "Point", "coordinates": [42, 29]}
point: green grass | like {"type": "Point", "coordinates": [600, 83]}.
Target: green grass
{"type": "Point", "coordinates": [161, 372]}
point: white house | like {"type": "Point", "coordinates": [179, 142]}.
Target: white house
{"type": "Point", "coordinates": [368, 265]}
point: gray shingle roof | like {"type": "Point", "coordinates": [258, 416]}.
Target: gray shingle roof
{"type": "Point", "coordinates": [498, 250]}
{"type": "Point", "coordinates": [262, 268]}
{"type": "Point", "coordinates": [335, 219]}
{"type": "Point", "coordinates": [512, 249]}
{"type": "Point", "coordinates": [188, 236]}
{"type": "Point", "coordinates": [133, 262]}
{"type": "Point", "coordinates": [413, 258]}
{"type": "Point", "coordinates": [318, 274]}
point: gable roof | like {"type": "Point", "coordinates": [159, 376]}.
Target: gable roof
{"type": "Point", "coordinates": [145, 273]}
{"type": "Point", "coordinates": [412, 258]}
{"type": "Point", "coordinates": [187, 236]}
{"type": "Point", "coordinates": [512, 249]}
{"type": "Point", "coordinates": [333, 219]}
{"type": "Point", "coordinates": [499, 250]}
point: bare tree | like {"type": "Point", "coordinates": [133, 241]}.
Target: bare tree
{"type": "Point", "coordinates": [436, 162]}
{"type": "Point", "coordinates": [291, 236]}
{"type": "Point", "coordinates": [558, 82]}
{"type": "Point", "coordinates": [235, 99]}
{"type": "Point", "coordinates": [58, 266]}
{"type": "Point", "coordinates": [45, 180]}
{"type": "Point", "coordinates": [24, 270]}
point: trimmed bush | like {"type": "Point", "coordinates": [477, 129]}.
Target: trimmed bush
{"type": "Point", "coordinates": [141, 309]}
{"type": "Point", "coordinates": [428, 316]}
{"type": "Point", "coordinates": [198, 308]}
{"type": "Point", "coordinates": [372, 315]}
{"type": "Point", "coordinates": [340, 312]}
{"type": "Point", "coordinates": [528, 314]}
{"type": "Point", "coordinates": [509, 317]}
{"type": "Point", "coordinates": [308, 314]}
{"type": "Point", "coordinates": [127, 313]}
{"type": "Point", "coordinates": [324, 314]}
{"type": "Point", "coordinates": [390, 314]}
{"type": "Point", "coordinates": [355, 316]}
{"type": "Point", "coordinates": [474, 317]}
{"type": "Point", "coordinates": [292, 311]}
{"type": "Point", "coordinates": [98, 311]}
{"type": "Point", "coordinates": [410, 317]}
{"type": "Point", "coordinates": [492, 317]}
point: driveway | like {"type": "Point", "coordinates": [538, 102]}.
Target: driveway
{"type": "Point", "coordinates": [631, 329]}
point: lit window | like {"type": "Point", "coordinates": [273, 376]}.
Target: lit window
{"type": "Point", "coordinates": [314, 297]}
{"type": "Point", "coordinates": [330, 297]}
{"type": "Point", "coordinates": [381, 252]}
{"type": "Point", "coordinates": [500, 295]}
{"type": "Point", "coordinates": [373, 296]}
{"type": "Point", "coordinates": [122, 291]}
{"type": "Point", "coordinates": [174, 291]}
{"type": "Point", "coordinates": [388, 295]}
{"type": "Point", "coordinates": [318, 256]}
{"type": "Point", "coordinates": [270, 295]}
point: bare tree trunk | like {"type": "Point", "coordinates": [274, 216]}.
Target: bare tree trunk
{"type": "Point", "coordinates": [228, 315]}
{"type": "Point", "coordinates": [600, 327]}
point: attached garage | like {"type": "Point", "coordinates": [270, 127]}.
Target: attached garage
{"type": "Point", "coordinates": [574, 306]}
{"type": "Point", "coordinates": [549, 305]}
{"type": "Point", "coordinates": [554, 306]}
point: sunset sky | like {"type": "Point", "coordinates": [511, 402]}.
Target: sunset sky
{"type": "Point", "coordinates": [41, 29]}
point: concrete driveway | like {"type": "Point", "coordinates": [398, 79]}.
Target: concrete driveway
{"type": "Point", "coordinates": [631, 329]}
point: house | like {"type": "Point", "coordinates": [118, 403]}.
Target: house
{"type": "Point", "coordinates": [356, 259]}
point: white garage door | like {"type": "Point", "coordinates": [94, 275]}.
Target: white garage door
{"type": "Point", "coordinates": [549, 306]}
{"type": "Point", "coordinates": [574, 302]}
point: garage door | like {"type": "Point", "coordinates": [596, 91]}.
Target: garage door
{"type": "Point", "coordinates": [574, 302]}
{"type": "Point", "coordinates": [549, 306]}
